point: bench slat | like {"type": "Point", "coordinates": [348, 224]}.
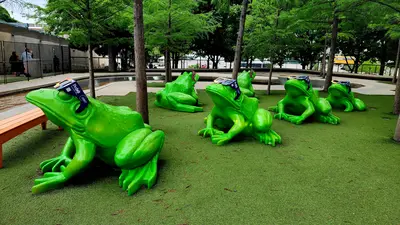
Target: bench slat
{"type": "Point", "coordinates": [19, 121]}
{"type": "Point", "coordinates": [36, 110]}
{"type": "Point", "coordinates": [6, 136]}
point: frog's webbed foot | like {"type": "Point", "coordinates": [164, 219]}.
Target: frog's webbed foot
{"type": "Point", "coordinates": [54, 164]}
{"type": "Point", "coordinates": [330, 118]}
{"type": "Point", "coordinates": [49, 181]}
{"type": "Point", "coordinates": [132, 180]}
{"type": "Point", "coordinates": [209, 132]}
{"type": "Point", "coordinates": [270, 137]}
{"type": "Point", "coordinates": [290, 118]}
{"type": "Point", "coordinates": [295, 119]}
{"type": "Point", "coordinates": [221, 139]}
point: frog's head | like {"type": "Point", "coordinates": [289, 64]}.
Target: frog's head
{"type": "Point", "coordinates": [189, 78]}
{"type": "Point", "coordinates": [62, 108]}
{"type": "Point", "coordinates": [225, 92]}
{"type": "Point", "coordinates": [250, 74]}
{"type": "Point", "coordinates": [298, 86]}
{"type": "Point", "coordinates": [340, 88]}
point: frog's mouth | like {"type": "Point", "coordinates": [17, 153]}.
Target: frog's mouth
{"type": "Point", "coordinates": [338, 90]}
{"type": "Point", "coordinates": [37, 99]}
{"type": "Point", "coordinates": [295, 89]}
{"type": "Point", "coordinates": [220, 96]}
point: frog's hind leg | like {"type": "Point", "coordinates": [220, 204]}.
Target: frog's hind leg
{"type": "Point", "coordinates": [137, 156]}
{"type": "Point", "coordinates": [323, 106]}
{"type": "Point", "coordinates": [262, 131]}
{"type": "Point", "coordinates": [183, 102]}
{"type": "Point", "coordinates": [359, 104]}
{"type": "Point", "coordinates": [247, 92]}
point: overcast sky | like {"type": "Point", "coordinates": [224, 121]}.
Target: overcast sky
{"type": "Point", "coordinates": [17, 12]}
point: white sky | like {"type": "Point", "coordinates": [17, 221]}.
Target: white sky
{"type": "Point", "coordinates": [17, 12]}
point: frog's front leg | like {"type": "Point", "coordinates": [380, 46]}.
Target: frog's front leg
{"type": "Point", "coordinates": [310, 109]}
{"type": "Point", "coordinates": [348, 105]}
{"type": "Point", "coordinates": [137, 156]}
{"type": "Point", "coordinates": [238, 126]}
{"type": "Point", "coordinates": [324, 114]}
{"type": "Point", "coordinates": [280, 110]}
{"type": "Point", "coordinates": [85, 152]}
{"type": "Point", "coordinates": [64, 159]}
{"type": "Point", "coordinates": [209, 131]}
{"type": "Point", "coordinates": [262, 131]}
{"type": "Point", "coordinates": [183, 102]}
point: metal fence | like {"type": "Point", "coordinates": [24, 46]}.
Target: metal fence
{"type": "Point", "coordinates": [32, 60]}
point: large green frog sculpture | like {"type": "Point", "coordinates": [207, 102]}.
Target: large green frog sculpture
{"type": "Point", "coordinates": [340, 96]}
{"type": "Point", "coordinates": [180, 95]}
{"type": "Point", "coordinates": [302, 102]}
{"type": "Point", "coordinates": [236, 114]}
{"type": "Point", "coordinates": [245, 80]}
{"type": "Point", "coordinates": [115, 134]}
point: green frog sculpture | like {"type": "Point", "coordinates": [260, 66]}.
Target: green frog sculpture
{"type": "Point", "coordinates": [114, 134]}
{"type": "Point", "coordinates": [302, 102]}
{"type": "Point", "coordinates": [235, 115]}
{"type": "Point", "coordinates": [180, 95]}
{"type": "Point", "coordinates": [340, 96]}
{"type": "Point", "coordinates": [245, 80]}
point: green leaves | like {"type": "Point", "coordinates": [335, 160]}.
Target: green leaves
{"type": "Point", "coordinates": [185, 26]}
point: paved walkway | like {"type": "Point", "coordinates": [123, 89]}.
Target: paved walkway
{"type": "Point", "coordinates": [121, 88]}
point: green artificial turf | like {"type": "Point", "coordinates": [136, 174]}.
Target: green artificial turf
{"type": "Point", "coordinates": [155, 84]}
{"type": "Point", "coordinates": [321, 174]}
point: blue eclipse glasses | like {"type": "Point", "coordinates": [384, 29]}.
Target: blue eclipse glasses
{"type": "Point", "coordinates": [231, 83]}
{"type": "Point", "coordinates": [71, 87]}
{"type": "Point", "coordinates": [305, 78]}
{"type": "Point", "coordinates": [344, 83]}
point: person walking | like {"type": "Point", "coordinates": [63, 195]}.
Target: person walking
{"type": "Point", "coordinates": [25, 57]}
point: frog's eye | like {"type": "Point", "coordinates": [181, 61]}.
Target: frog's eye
{"type": "Point", "coordinates": [64, 96]}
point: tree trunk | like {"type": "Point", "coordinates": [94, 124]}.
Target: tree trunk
{"type": "Point", "coordinates": [91, 72]}
{"type": "Point", "coordinates": [396, 105]}
{"type": "Point", "coordinates": [208, 62]}
{"type": "Point", "coordinates": [396, 136]}
{"type": "Point", "coordinates": [168, 73]}
{"type": "Point", "coordinates": [238, 51]}
{"type": "Point", "coordinates": [396, 66]}
{"type": "Point", "coordinates": [383, 58]}
{"type": "Point", "coordinates": [230, 65]}
{"type": "Point", "coordinates": [323, 63]}
{"type": "Point", "coordinates": [272, 59]}
{"type": "Point", "coordinates": [167, 57]}
{"type": "Point", "coordinates": [329, 74]}
{"type": "Point", "coordinates": [140, 68]}
{"type": "Point", "coordinates": [251, 62]}
{"type": "Point", "coordinates": [303, 66]}
{"type": "Point", "coordinates": [270, 77]}
{"type": "Point", "coordinates": [124, 60]}
{"type": "Point", "coordinates": [357, 62]}
{"type": "Point", "coordinates": [112, 55]}
{"type": "Point", "coordinates": [90, 51]}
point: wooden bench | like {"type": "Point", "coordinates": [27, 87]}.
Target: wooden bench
{"type": "Point", "coordinates": [13, 126]}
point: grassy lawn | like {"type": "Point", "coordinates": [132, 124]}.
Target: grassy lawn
{"type": "Point", "coordinates": [321, 174]}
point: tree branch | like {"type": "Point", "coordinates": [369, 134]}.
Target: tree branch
{"type": "Point", "coordinates": [385, 4]}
